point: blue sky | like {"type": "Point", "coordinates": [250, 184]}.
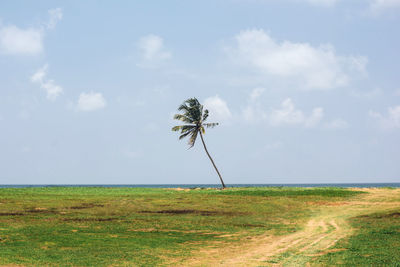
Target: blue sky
{"type": "Point", "coordinates": [305, 91]}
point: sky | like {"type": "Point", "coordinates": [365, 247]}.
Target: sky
{"type": "Point", "coordinates": [305, 91]}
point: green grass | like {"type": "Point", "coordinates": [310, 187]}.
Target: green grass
{"type": "Point", "coordinates": [375, 243]}
{"type": "Point", "coordinates": [64, 226]}
{"type": "Point", "coordinates": [288, 192]}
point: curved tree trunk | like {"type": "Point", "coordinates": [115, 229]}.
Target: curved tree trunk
{"type": "Point", "coordinates": [208, 154]}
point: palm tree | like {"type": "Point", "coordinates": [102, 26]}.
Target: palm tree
{"type": "Point", "coordinates": [194, 118]}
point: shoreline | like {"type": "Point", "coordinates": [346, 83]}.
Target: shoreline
{"type": "Point", "coordinates": [208, 186]}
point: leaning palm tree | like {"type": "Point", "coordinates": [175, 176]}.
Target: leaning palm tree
{"type": "Point", "coordinates": [194, 118]}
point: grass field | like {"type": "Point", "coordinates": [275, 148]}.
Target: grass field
{"type": "Point", "coordinates": [62, 226]}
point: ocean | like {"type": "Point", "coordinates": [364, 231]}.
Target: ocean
{"type": "Point", "coordinates": [343, 185]}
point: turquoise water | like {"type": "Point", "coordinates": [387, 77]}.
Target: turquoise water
{"type": "Point", "coordinates": [363, 185]}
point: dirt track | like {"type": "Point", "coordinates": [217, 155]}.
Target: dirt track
{"type": "Point", "coordinates": [320, 234]}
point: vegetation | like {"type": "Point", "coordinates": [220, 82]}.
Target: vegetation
{"type": "Point", "coordinates": [375, 243]}
{"type": "Point", "coordinates": [194, 118]}
{"type": "Point", "coordinates": [60, 226]}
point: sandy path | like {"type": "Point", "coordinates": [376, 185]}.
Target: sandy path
{"type": "Point", "coordinates": [328, 226]}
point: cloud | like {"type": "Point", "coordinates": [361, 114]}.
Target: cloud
{"type": "Point", "coordinates": [306, 66]}
{"type": "Point", "coordinates": [389, 121]}
{"type": "Point", "coordinates": [287, 114]}
{"type": "Point", "coordinates": [253, 111]}
{"type": "Point", "coordinates": [52, 89]}
{"type": "Point", "coordinates": [379, 6]}
{"type": "Point", "coordinates": [256, 93]}
{"type": "Point", "coordinates": [91, 101]}
{"type": "Point", "coordinates": [218, 108]}
{"type": "Point", "coordinates": [14, 40]}
{"type": "Point", "coordinates": [18, 41]}
{"type": "Point", "coordinates": [336, 124]}
{"type": "Point", "coordinates": [55, 15]}
{"type": "Point", "coordinates": [153, 50]}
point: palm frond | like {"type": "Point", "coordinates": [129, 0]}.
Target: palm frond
{"type": "Point", "coordinates": [189, 103]}
{"type": "Point", "coordinates": [205, 115]}
{"type": "Point", "coordinates": [192, 109]}
{"type": "Point", "coordinates": [184, 135]}
{"type": "Point", "coordinates": [176, 128]}
{"type": "Point", "coordinates": [183, 107]}
{"type": "Point", "coordinates": [183, 118]}
{"type": "Point", "coordinates": [192, 102]}
{"type": "Point", "coordinates": [201, 112]}
{"type": "Point", "coordinates": [210, 125]}
{"type": "Point", "coordinates": [193, 138]}
{"type": "Point", "coordinates": [194, 114]}
{"type": "Point", "coordinates": [187, 128]}
{"type": "Point", "coordinates": [183, 128]}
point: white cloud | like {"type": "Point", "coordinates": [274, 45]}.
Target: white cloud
{"type": "Point", "coordinates": [52, 89]}
{"type": "Point", "coordinates": [91, 101]}
{"type": "Point", "coordinates": [55, 15]}
{"type": "Point", "coordinates": [337, 124]}
{"type": "Point", "coordinates": [287, 114]}
{"type": "Point", "coordinates": [389, 121]}
{"type": "Point", "coordinates": [315, 117]}
{"type": "Point", "coordinates": [153, 50]}
{"type": "Point", "coordinates": [379, 6]}
{"type": "Point", "coordinates": [40, 74]}
{"type": "Point", "coordinates": [306, 66]}
{"type": "Point", "coordinates": [218, 109]}
{"type": "Point", "coordinates": [253, 111]}
{"type": "Point", "coordinates": [17, 41]}
{"type": "Point", "coordinates": [14, 40]}
{"type": "Point", "coordinates": [397, 92]}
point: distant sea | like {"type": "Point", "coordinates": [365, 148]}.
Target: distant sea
{"type": "Point", "coordinates": [362, 185]}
